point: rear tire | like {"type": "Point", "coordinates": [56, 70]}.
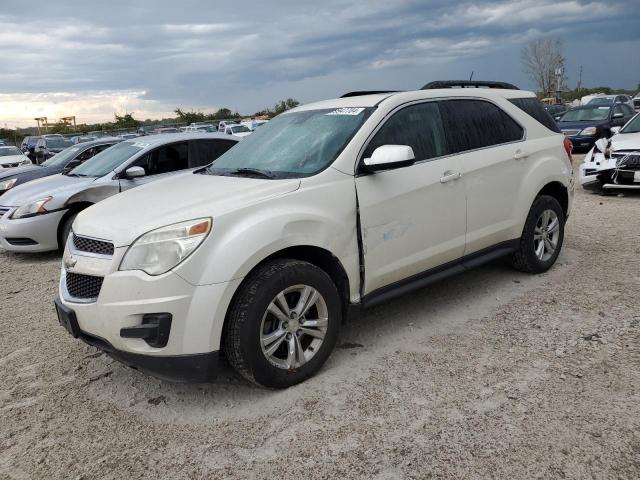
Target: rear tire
{"type": "Point", "coordinates": [283, 323]}
{"type": "Point", "coordinates": [542, 236]}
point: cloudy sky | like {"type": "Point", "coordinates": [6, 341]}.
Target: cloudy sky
{"type": "Point", "coordinates": [91, 59]}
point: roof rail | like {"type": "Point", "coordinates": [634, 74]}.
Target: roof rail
{"type": "Point", "coordinates": [468, 84]}
{"type": "Point", "coordinates": [366, 92]}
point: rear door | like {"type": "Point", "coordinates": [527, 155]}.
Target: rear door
{"type": "Point", "coordinates": [412, 218]}
{"type": "Point", "coordinates": [493, 161]}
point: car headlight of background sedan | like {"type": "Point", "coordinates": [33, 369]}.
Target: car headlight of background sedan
{"type": "Point", "coordinates": [7, 184]}
{"type": "Point", "coordinates": [31, 209]}
{"type": "Point", "coordinates": [160, 250]}
{"type": "Point", "coordinates": [26, 161]}
{"type": "Point", "coordinates": [589, 131]}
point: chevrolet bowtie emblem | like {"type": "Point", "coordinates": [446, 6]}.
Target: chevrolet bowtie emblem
{"type": "Point", "coordinates": [70, 262]}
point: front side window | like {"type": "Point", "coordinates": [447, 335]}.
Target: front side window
{"type": "Point", "coordinates": [418, 126]}
{"type": "Point", "coordinates": [165, 159]}
{"type": "Point", "coordinates": [472, 124]}
{"type": "Point", "coordinates": [295, 144]}
{"type": "Point", "coordinates": [106, 161]}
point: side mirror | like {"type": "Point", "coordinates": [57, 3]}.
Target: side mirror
{"type": "Point", "coordinates": [389, 156]}
{"type": "Point", "coordinates": [135, 172]}
{"type": "Point", "coordinates": [71, 165]}
{"type": "Point", "coordinates": [602, 144]}
{"type": "Point", "coordinates": [615, 130]}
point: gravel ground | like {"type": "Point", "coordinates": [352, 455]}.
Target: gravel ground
{"type": "Point", "coordinates": [491, 374]}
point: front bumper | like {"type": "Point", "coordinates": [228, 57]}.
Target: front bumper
{"type": "Point", "coordinates": [580, 142]}
{"type": "Point", "coordinates": [127, 298]}
{"type": "Point", "coordinates": [33, 234]}
{"type": "Point", "coordinates": [194, 368]}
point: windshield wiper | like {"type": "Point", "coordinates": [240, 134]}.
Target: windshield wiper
{"type": "Point", "coordinates": [251, 172]}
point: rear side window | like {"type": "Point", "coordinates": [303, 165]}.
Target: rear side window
{"type": "Point", "coordinates": [534, 108]}
{"type": "Point", "coordinates": [419, 126]}
{"type": "Point", "coordinates": [472, 124]}
{"type": "Point", "coordinates": [206, 151]}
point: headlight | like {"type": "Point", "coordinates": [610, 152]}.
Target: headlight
{"type": "Point", "coordinates": [589, 131]}
{"type": "Point", "coordinates": [31, 209]}
{"type": "Point", "coordinates": [26, 161]}
{"type": "Point", "coordinates": [158, 251]}
{"type": "Point", "coordinates": [7, 184]}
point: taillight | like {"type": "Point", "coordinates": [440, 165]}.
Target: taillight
{"type": "Point", "coordinates": [568, 146]}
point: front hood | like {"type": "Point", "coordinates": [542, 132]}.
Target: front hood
{"type": "Point", "coordinates": [581, 125]}
{"type": "Point", "coordinates": [60, 187]}
{"type": "Point", "coordinates": [10, 172]}
{"type": "Point", "coordinates": [12, 159]}
{"type": "Point", "coordinates": [625, 141]}
{"type": "Point", "coordinates": [123, 218]}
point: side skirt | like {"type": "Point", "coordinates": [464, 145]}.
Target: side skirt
{"type": "Point", "coordinates": [436, 274]}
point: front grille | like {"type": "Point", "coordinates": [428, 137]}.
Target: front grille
{"type": "Point", "coordinates": [83, 286]}
{"type": "Point", "coordinates": [100, 247]}
{"type": "Point", "coordinates": [11, 165]}
{"type": "Point", "coordinates": [3, 211]}
{"type": "Point", "coordinates": [631, 162]}
{"type": "Point", "coordinates": [570, 133]}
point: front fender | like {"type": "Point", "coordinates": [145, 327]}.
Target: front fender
{"type": "Point", "coordinates": [322, 216]}
{"type": "Point", "coordinates": [92, 194]}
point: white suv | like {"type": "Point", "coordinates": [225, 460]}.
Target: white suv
{"type": "Point", "coordinates": [328, 208]}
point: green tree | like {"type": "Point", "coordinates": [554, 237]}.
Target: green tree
{"type": "Point", "coordinates": [284, 105]}
{"type": "Point", "coordinates": [125, 121]}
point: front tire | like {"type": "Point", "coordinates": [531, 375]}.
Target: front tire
{"type": "Point", "coordinates": [66, 230]}
{"type": "Point", "coordinates": [542, 236]}
{"type": "Point", "coordinates": [283, 324]}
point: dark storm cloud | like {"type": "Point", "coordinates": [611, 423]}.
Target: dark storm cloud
{"type": "Point", "coordinates": [248, 54]}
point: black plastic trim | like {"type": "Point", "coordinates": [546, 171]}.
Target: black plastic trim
{"type": "Point", "coordinates": [367, 92]}
{"type": "Point", "coordinates": [468, 84]}
{"type": "Point", "coordinates": [441, 272]}
{"type": "Point", "coordinates": [194, 368]}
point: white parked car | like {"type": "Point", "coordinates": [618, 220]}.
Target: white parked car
{"type": "Point", "coordinates": [11, 157]}
{"type": "Point", "coordinates": [237, 130]}
{"type": "Point", "coordinates": [614, 163]}
{"type": "Point", "coordinates": [609, 100]}
{"type": "Point", "coordinates": [330, 207]}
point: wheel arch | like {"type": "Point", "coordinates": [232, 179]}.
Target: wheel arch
{"type": "Point", "coordinates": [558, 191]}
{"type": "Point", "coordinates": [73, 209]}
{"type": "Point", "coordinates": [315, 255]}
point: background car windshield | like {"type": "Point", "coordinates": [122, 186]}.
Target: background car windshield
{"type": "Point", "coordinates": [57, 143]}
{"type": "Point", "coordinates": [106, 161]}
{"type": "Point", "coordinates": [295, 144]}
{"type": "Point", "coordinates": [601, 101]}
{"type": "Point", "coordinates": [62, 158]}
{"type": "Point", "coordinates": [633, 126]}
{"type": "Point", "coordinates": [240, 129]}
{"type": "Point", "coordinates": [586, 114]}
{"type": "Point", "coordinates": [8, 151]}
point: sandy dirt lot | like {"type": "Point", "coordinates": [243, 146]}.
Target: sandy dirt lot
{"type": "Point", "coordinates": [492, 374]}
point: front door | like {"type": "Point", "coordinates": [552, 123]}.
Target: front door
{"type": "Point", "coordinates": [412, 218]}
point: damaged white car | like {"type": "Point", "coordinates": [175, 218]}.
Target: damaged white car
{"type": "Point", "coordinates": [614, 163]}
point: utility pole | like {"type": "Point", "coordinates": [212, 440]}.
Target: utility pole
{"type": "Point", "coordinates": [579, 79]}
{"type": "Point", "coordinates": [559, 72]}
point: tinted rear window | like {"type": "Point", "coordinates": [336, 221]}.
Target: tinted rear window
{"type": "Point", "coordinates": [472, 124]}
{"type": "Point", "coordinates": [534, 108]}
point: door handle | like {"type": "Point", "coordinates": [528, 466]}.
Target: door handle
{"type": "Point", "coordinates": [449, 176]}
{"type": "Point", "coordinates": [520, 155]}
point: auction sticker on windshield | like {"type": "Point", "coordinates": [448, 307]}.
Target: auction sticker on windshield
{"type": "Point", "coordinates": [346, 111]}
